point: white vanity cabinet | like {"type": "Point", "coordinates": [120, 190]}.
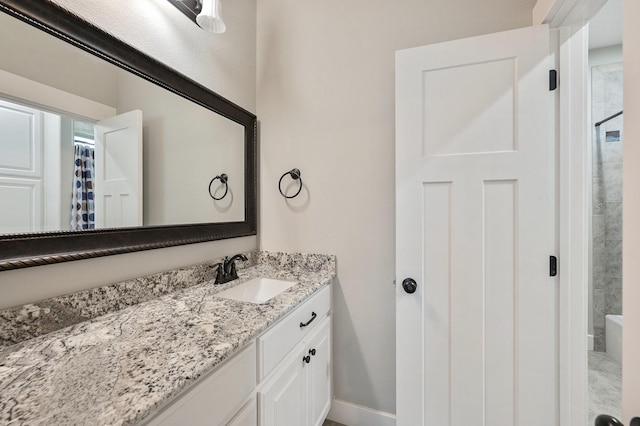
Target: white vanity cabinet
{"type": "Point", "coordinates": [296, 389]}
{"type": "Point", "coordinates": [283, 378]}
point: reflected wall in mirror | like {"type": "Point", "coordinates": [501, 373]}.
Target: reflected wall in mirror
{"type": "Point", "coordinates": [183, 144]}
{"type": "Point", "coordinates": [62, 81]}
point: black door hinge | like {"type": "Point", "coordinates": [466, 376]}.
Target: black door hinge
{"type": "Point", "coordinates": [553, 266]}
{"type": "Point", "coordinates": [553, 80]}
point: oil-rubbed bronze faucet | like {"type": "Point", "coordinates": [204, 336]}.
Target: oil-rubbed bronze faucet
{"type": "Point", "coordinates": [227, 270]}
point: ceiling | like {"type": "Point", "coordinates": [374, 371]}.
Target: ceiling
{"type": "Point", "coordinates": [605, 29]}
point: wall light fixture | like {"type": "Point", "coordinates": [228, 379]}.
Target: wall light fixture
{"type": "Point", "coordinates": [205, 13]}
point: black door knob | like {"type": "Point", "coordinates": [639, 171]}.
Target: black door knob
{"type": "Point", "coordinates": [409, 285]}
{"type": "Point", "coordinates": [606, 420]}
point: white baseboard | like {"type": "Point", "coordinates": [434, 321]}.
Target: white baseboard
{"type": "Point", "coordinates": [357, 415]}
{"type": "Point", "coordinates": [590, 341]}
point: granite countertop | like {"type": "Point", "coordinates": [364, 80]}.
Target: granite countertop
{"type": "Point", "coordinates": [120, 367]}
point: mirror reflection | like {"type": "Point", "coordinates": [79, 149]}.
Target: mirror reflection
{"type": "Point", "coordinates": [85, 144]}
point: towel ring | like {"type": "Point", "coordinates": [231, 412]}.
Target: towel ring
{"type": "Point", "coordinates": [223, 179]}
{"type": "Point", "coordinates": [295, 175]}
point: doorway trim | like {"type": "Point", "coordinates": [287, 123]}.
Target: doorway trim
{"type": "Point", "coordinates": [569, 19]}
{"type": "Point", "coordinates": [565, 13]}
{"type": "Point", "coordinates": [573, 222]}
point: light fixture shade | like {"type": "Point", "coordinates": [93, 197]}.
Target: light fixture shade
{"type": "Point", "coordinates": [209, 17]}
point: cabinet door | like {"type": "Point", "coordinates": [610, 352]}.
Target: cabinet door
{"type": "Point", "coordinates": [318, 374]}
{"type": "Point", "coordinates": [282, 399]}
{"type": "Point", "coordinates": [216, 398]}
{"type": "Point", "coordinates": [248, 416]}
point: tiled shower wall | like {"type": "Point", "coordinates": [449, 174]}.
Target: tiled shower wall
{"type": "Point", "coordinates": [606, 100]}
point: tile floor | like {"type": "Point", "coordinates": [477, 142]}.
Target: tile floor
{"type": "Point", "coordinates": [605, 386]}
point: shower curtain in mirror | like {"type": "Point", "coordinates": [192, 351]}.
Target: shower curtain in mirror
{"type": "Point", "coordinates": [82, 206]}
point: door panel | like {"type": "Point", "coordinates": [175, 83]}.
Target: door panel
{"type": "Point", "coordinates": [437, 237]}
{"type": "Point", "coordinates": [22, 199]}
{"type": "Point", "coordinates": [118, 159]}
{"type": "Point", "coordinates": [480, 123]}
{"type": "Point", "coordinates": [477, 341]}
{"type": "Point", "coordinates": [282, 401]}
{"type": "Point", "coordinates": [500, 216]}
{"type": "Point", "coordinates": [21, 180]}
{"type": "Point", "coordinates": [21, 141]}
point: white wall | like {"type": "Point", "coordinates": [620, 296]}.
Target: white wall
{"type": "Point", "coordinates": [225, 64]}
{"type": "Point", "coordinates": [631, 214]}
{"type": "Point", "coordinates": [326, 105]}
{"type": "Point", "coordinates": [185, 146]}
{"type": "Point", "coordinates": [52, 152]}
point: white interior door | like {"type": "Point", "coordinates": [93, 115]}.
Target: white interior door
{"type": "Point", "coordinates": [477, 341]}
{"type": "Point", "coordinates": [118, 168]}
{"type": "Point", "coordinates": [21, 179]}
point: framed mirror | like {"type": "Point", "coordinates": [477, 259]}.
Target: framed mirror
{"type": "Point", "coordinates": [188, 138]}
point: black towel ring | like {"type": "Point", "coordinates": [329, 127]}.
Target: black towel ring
{"type": "Point", "coordinates": [295, 175]}
{"type": "Point", "coordinates": [223, 179]}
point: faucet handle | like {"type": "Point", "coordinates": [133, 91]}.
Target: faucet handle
{"type": "Point", "coordinates": [233, 272]}
{"type": "Point", "coordinates": [219, 273]}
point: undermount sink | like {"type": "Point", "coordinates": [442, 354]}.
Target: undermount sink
{"type": "Point", "coordinates": [257, 290]}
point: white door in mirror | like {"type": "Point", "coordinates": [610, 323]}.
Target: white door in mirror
{"type": "Point", "coordinates": [118, 168]}
{"type": "Point", "coordinates": [21, 177]}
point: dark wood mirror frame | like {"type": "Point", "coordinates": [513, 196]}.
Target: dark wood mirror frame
{"type": "Point", "coordinates": [25, 250]}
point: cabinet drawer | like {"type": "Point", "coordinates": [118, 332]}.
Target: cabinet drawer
{"type": "Point", "coordinates": [214, 399]}
{"type": "Point", "coordinates": [277, 342]}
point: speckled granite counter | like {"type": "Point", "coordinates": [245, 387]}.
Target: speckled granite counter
{"type": "Point", "coordinates": [121, 367]}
